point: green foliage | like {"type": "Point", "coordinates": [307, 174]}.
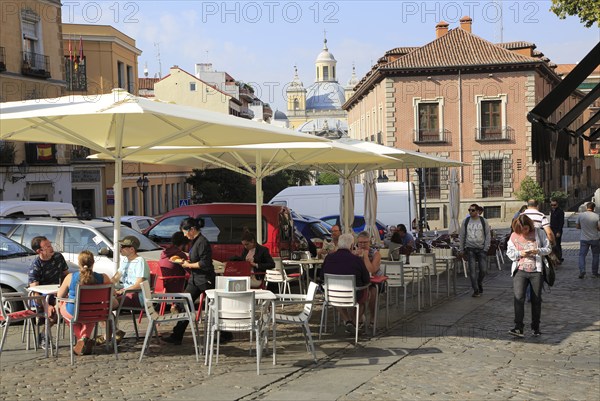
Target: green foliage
{"type": "Point", "coordinates": [560, 196]}
{"type": "Point", "coordinates": [587, 11]}
{"type": "Point", "coordinates": [530, 190]}
{"type": "Point", "coordinates": [221, 185]}
{"type": "Point", "coordinates": [275, 183]}
{"type": "Point", "coordinates": [327, 179]}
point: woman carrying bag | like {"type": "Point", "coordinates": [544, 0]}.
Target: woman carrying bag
{"type": "Point", "coordinates": [527, 247]}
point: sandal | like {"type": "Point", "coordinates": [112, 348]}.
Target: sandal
{"type": "Point", "coordinates": [79, 346]}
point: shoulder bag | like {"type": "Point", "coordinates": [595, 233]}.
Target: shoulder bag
{"type": "Point", "coordinates": [547, 265]}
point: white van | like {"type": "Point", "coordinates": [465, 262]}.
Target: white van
{"type": "Point", "coordinates": [396, 201]}
{"type": "Point", "coordinates": [36, 208]}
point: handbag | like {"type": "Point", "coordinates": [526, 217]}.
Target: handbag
{"type": "Point", "coordinates": [548, 271]}
{"type": "Point", "coordinates": [547, 264]}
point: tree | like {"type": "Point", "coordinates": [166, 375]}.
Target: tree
{"type": "Point", "coordinates": [221, 185]}
{"type": "Point", "coordinates": [530, 190]}
{"type": "Point", "coordinates": [327, 179]}
{"type": "Point", "coordinates": [587, 11]}
{"type": "Point", "coordinates": [275, 183]}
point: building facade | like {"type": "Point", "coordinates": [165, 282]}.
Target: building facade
{"type": "Point", "coordinates": [463, 98]}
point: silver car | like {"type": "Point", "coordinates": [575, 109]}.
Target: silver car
{"type": "Point", "coordinates": [15, 260]}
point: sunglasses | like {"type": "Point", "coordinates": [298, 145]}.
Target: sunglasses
{"type": "Point", "coordinates": [553, 205]}
{"type": "Point", "coordinates": [472, 210]}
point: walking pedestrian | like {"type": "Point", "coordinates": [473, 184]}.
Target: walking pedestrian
{"type": "Point", "coordinates": [557, 221]}
{"type": "Point", "coordinates": [526, 248]}
{"type": "Point", "coordinates": [588, 223]}
{"type": "Point", "coordinates": [475, 239]}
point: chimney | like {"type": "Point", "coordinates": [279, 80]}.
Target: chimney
{"type": "Point", "coordinates": [465, 23]}
{"type": "Point", "coordinates": [441, 29]}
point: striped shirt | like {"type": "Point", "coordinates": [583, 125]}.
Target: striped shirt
{"type": "Point", "coordinates": [539, 219]}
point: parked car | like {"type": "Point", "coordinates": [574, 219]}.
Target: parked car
{"type": "Point", "coordinates": [15, 260]}
{"type": "Point", "coordinates": [138, 223]}
{"type": "Point", "coordinates": [358, 224]}
{"type": "Point", "coordinates": [224, 224]}
{"type": "Point", "coordinates": [71, 236]}
{"type": "Point", "coordinates": [311, 227]}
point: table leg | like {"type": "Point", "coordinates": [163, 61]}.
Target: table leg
{"type": "Point", "coordinates": [274, 332]}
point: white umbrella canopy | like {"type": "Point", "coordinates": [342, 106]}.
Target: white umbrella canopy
{"type": "Point", "coordinates": [454, 224]}
{"type": "Point", "coordinates": [112, 123]}
{"type": "Point", "coordinates": [261, 160]}
{"type": "Point", "coordinates": [370, 192]}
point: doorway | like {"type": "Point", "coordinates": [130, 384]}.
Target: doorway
{"type": "Point", "coordinates": [84, 203]}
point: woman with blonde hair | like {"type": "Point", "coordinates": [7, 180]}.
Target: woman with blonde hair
{"type": "Point", "coordinates": [85, 276]}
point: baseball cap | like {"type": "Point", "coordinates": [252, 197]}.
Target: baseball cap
{"type": "Point", "coordinates": [130, 240]}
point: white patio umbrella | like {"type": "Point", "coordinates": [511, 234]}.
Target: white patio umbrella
{"type": "Point", "coordinates": [260, 161]}
{"type": "Point", "coordinates": [454, 224]}
{"type": "Point", "coordinates": [115, 122]}
{"type": "Point", "coordinates": [370, 193]}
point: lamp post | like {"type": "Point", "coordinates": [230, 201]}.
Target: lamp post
{"type": "Point", "coordinates": [23, 169]}
{"type": "Point", "coordinates": [142, 184]}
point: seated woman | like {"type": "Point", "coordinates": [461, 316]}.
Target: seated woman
{"type": "Point", "coordinates": [257, 255]}
{"type": "Point", "coordinates": [85, 276]}
{"type": "Point", "coordinates": [170, 264]}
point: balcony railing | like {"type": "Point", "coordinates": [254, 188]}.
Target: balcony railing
{"type": "Point", "coordinates": [422, 136]}
{"type": "Point", "coordinates": [493, 190]}
{"type": "Point", "coordinates": [245, 112]}
{"type": "Point", "coordinates": [35, 65]}
{"type": "Point", "coordinates": [79, 153]}
{"type": "Point", "coordinates": [491, 134]}
{"type": "Point", "coordinates": [2, 60]}
{"type": "Point", "coordinates": [433, 192]}
{"type": "Point", "coordinates": [246, 94]}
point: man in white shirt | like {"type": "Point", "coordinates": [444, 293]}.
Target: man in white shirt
{"type": "Point", "coordinates": [589, 224]}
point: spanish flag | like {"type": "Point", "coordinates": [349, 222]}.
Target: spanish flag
{"type": "Point", "coordinates": [44, 152]}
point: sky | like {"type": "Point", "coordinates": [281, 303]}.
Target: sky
{"type": "Point", "coordinates": [260, 42]}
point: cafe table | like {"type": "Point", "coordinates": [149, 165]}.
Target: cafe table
{"type": "Point", "coordinates": [259, 295]}
{"type": "Point", "coordinates": [46, 290]}
{"type": "Point", "coordinates": [305, 265]}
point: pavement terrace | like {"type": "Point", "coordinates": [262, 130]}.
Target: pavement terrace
{"type": "Point", "coordinates": [456, 349]}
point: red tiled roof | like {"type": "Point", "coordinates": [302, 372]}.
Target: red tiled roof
{"type": "Point", "coordinates": [516, 45]}
{"type": "Point", "coordinates": [400, 50]}
{"type": "Point", "coordinates": [147, 83]}
{"type": "Point", "coordinates": [458, 48]}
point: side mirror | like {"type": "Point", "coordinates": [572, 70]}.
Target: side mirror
{"type": "Point", "coordinates": [106, 251]}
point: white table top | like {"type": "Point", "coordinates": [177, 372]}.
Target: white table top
{"type": "Point", "coordinates": [303, 262]}
{"type": "Point", "coordinates": [258, 294]}
{"type": "Point", "coordinates": [44, 289]}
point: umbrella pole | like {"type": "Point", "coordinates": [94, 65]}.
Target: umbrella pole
{"type": "Point", "coordinates": [259, 198]}
{"type": "Point", "coordinates": [118, 192]}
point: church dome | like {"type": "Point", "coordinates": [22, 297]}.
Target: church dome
{"type": "Point", "coordinates": [280, 115]}
{"type": "Point", "coordinates": [325, 96]}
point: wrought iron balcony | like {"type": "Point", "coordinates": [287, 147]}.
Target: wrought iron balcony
{"type": "Point", "coordinates": [35, 65]}
{"type": "Point", "coordinates": [494, 134]}
{"type": "Point", "coordinates": [246, 94]}
{"type": "Point", "coordinates": [2, 60]}
{"type": "Point", "coordinates": [492, 190]}
{"type": "Point", "coordinates": [245, 112]}
{"type": "Point", "coordinates": [79, 153]}
{"type": "Point", "coordinates": [423, 136]}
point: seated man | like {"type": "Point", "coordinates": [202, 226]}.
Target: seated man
{"type": "Point", "coordinates": [402, 243]}
{"type": "Point", "coordinates": [345, 263]}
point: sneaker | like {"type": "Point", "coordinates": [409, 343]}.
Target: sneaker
{"type": "Point", "coordinates": [100, 340]}
{"type": "Point", "coordinates": [582, 275]}
{"type": "Point", "coordinates": [79, 346]}
{"type": "Point", "coordinates": [516, 332]}
{"type": "Point", "coordinates": [171, 340]}
{"type": "Point", "coordinates": [350, 327]}
{"type": "Point", "coordinates": [476, 294]}
{"type": "Point", "coordinates": [595, 275]}
{"type": "Point", "coordinates": [480, 289]}
{"type": "Point", "coordinates": [120, 334]}
{"type": "Point", "coordinates": [537, 332]}
{"type": "Point", "coordinates": [42, 340]}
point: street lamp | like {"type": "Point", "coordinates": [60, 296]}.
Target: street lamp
{"type": "Point", "coordinates": [23, 169]}
{"type": "Point", "coordinates": [142, 184]}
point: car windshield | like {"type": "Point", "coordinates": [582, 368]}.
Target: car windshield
{"type": "Point", "coordinates": [146, 244]}
{"type": "Point", "coordinates": [12, 249]}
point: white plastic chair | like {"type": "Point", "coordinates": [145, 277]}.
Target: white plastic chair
{"type": "Point", "coordinates": [394, 270]}
{"type": "Point", "coordinates": [446, 260]}
{"type": "Point", "coordinates": [26, 316]}
{"type": "Point", "coordinates": [234, 311]}
{"type": "Point", "coordinates": [303, 317]}
{"type": "Point", "coordinates": [340, 291]}
{"type": "Point", "coordinates": [183, 300]}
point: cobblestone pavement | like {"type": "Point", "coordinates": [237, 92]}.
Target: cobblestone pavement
{"type": "Point", "coordinates": [457, 349]}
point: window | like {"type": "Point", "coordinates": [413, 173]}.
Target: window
{"type": "Point", "coordinates": [433, 213]}
{"type": "Point", "coordinates": [75, 73]}
{"type": "Point", "coordinates": [34, 63]}
{"type": "Point", "coordinates": [325, 73]}
{"type": "Point", "coordinates": [491, 118]}
{"type": "Point", "coordinates": [192, 86]}
{"type": "Point", "coordinates": [130, 80]}
{"type": "Point", "coordinates": [492, 178]}
{"type": "Point", "coordinates": [121, 74]}
{"type": "Point", "coordinates": [432, 183]}
{"type": "Point", "coordinates": [296, 104]}
{"type": "Point", "coordinates": [428, 122]}
{"type": "Point", "coordinates": [492, 212]}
